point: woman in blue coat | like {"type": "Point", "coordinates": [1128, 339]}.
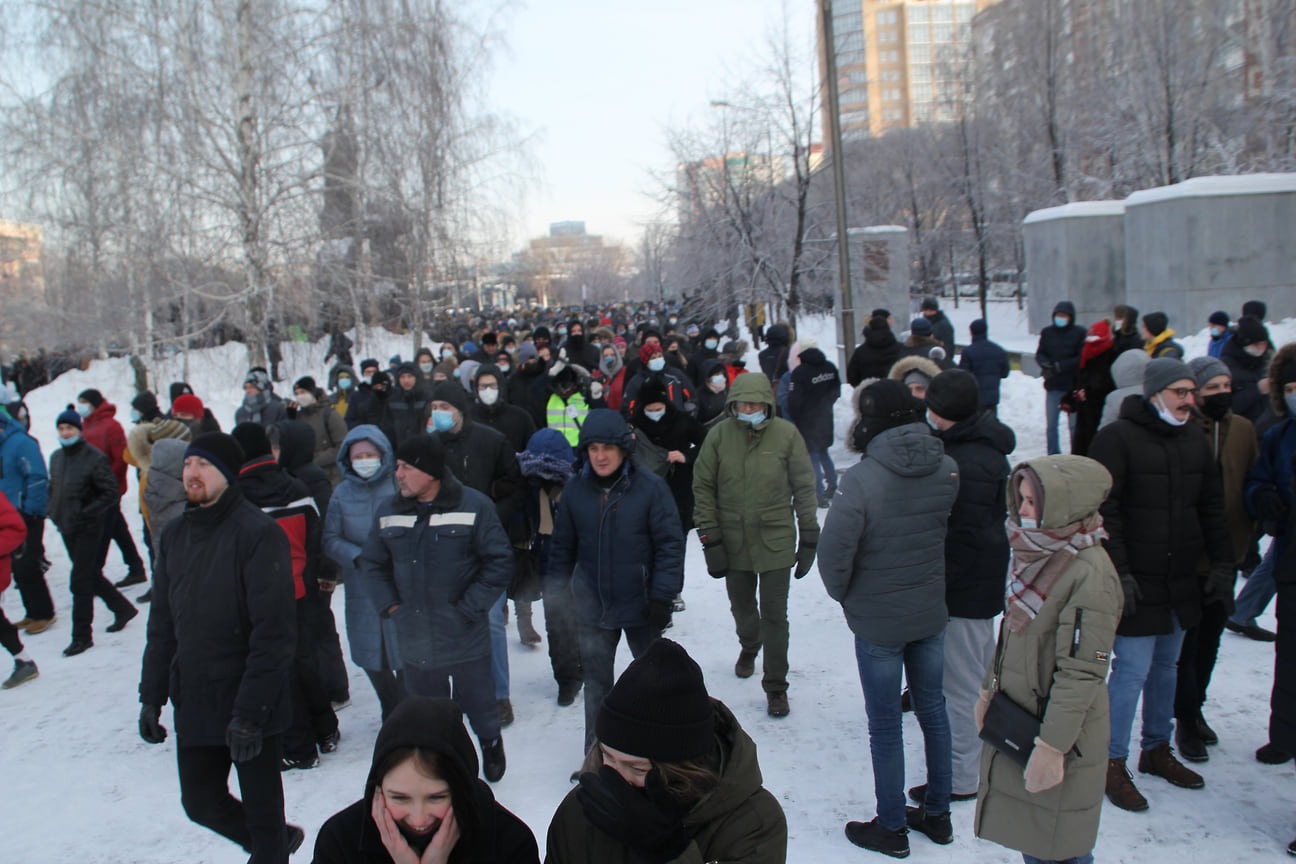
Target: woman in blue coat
{"type": "Point", "coordinates": [367, 465]}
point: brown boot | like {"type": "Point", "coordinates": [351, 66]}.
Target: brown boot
{"type": "Point", "coordinates": [746, 665]}
{"type": "Point", "coordinates": [778, 703]}
{"type": "Point", "coordinates": [1160, 761]}
{"type": "Point", "coordinates": [1121, 790]}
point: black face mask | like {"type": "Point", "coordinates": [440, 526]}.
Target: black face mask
{"type": "Point", "coordinates": [1216, 405]}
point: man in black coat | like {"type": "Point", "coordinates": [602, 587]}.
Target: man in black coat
{"type": "Point", "coordinates": [987, 361]}
{"type": "Point", "coordinates": [774, 356]}
{"type": "Point", "coordinates": [813, 389]}
{"type": "Point", "coordinates": [874, 357]}
{"type": "Point", "coordinates": [976, 558]}
{"type": "Point", "coordinates": [1165, 512]}
{"type": "Point", "coordinates": [942, 329]}
{"type": "Point", "coordinates": [1247, 356]}
{"type": "Point", "coordinates": [83, 496]}
{"type": "Point", "coordinates": [491, 409]}
{"type": "Point", "coordinates": [407, 405]}
{"type": "Point", "coordinates": [1058, 356]}
{"type": "Point", "coordinates": [221, 636]}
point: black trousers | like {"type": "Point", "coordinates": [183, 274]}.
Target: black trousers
{"type": "Point", "coordinates": [29, 571]}
{"type": "Point", "coordinates": [9, 635]}
{"type": "Point", "coordinates": [598, 649]}
{"type": "Point", "coordinates": [328, 654]}
{"type": "Point", "coordinates": [389, 685]}
{"type": "Point", "coordinates": [257, 822]}
{"type": "Point", "coordinates": [560, 627]}
{"type": "Point", "coordinates": [313, 717]}
{"type": "Point", "coordinates": [117, 531]}
{"type": "Point", "coordinates": [1197, 663]}
{"type": "Point", "coordinates": [87, 580]}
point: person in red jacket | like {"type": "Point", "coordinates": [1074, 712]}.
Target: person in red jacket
{"type": "Point", "coordinates": [13, 533]}
{"type": "Point", "coordinates": [102, 432]}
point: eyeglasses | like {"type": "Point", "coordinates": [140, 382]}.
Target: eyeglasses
{"type": "Point", "coordinates": [1182, 392]}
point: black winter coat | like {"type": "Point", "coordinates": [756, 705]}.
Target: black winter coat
{"type": "Point", "coordinates": [976, 543]}
{"type": "Point", "coordinates": [408, 410]}
{"type": "Point", "coordinates": [813, 388]}
{"type": "Point", "coordinates": [774, 356]}
{"type": "Point", "coordinates": [297, 456]}
{"type": "Point", "coordinates": [1247, 373]}
{"type": "Point", "coordinates": [1165, 510]}
{"type": "Point", "coordinates": [943, 330]}
{"type": "Point", "coordinates": [368, 407]}
{"type": "Point", "coordinates": [482, 459]}
{"type": "Point", "coordinates": [1095, 379]}
{"type": "Point", "coordinates": [988, 362]}
{"type": "Point", "coordinates": [515, 423]}
{"type": "Point", "coordinates": [222, 625]}
{"type": "Point", "coordinates": [526, 390]}
{"type": "Point", "coordinates": [874, 357]}
{"type": "Point", "coordinates": [1060, 346]}
{"type": "Point", "coordinates": [82, 488]}
{"type": "Point", "coordinates": [676, 430]}
{"type": "Point", "coordinates": [284, 498]}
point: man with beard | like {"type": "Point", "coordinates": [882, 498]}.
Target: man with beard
{"type": "Point", "coordinates": [220, 646]}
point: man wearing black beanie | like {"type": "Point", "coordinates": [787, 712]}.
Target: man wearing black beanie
{"type": "Point", "coordinates": [436, 563]}
{"type": "Point", "coordinates": [221, 630]}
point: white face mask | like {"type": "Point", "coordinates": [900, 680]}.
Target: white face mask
{"type": "Point", "coordinates": [488, 395]}
{"type": "Point", "coordinates": [719, 381]}
{"type": "Point", "coordinates": [655, 415]}
{"type": "Point", "coordinates": [1029, 524]}
{"type": "Point", "coordinates": [1257, 350]}
{"type": "Point", "coordinates": [366, 466]}
{"type": "Point", "coordinates": [1166, 415]}
{"type": "Point", "coordinates": [657, 364]}
{"type": "Point", "coordinates": [305, 400]}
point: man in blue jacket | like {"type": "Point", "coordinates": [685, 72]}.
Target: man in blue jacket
{"type": "Point", "coordinates": [1058, 356]}
{"type": "Point", "coordinates": [23, 480]}
{"type": "Point", "coordinates": [988, 362]}
{"type": "Point", "coordinates": [617, 541]}
{"type": "Point", "coordinates": [437, 559]}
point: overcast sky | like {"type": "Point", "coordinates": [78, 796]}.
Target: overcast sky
{"type": "Point", "coordinates": [600, 80]}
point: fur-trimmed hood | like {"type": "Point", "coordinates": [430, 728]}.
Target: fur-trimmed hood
{"type": "Point", "coordinates": [1286, 354]}
{"type": "Point", "coordinates": [905, 365]}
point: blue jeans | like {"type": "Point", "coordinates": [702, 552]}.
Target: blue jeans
{"type": "Point", "coordinates": [1052, 408]}
{"type": "Point", "coordinates": [923, 664]}
{"type": "Point", "coordinates": [499, 647]}
{"type": "Point", "coordinates": [1079, 859]}
{"type": "Point", "coordinates": [471, 692]}
{"type": "Point", "coordinates": [1146, 665]}
{"type": "Point", "coordinates": [1260, 588]}
{"type": "Point", "coordinates": [825, 472]}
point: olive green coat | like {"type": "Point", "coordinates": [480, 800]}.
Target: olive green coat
{"type": "Point", "coordinates": [1046, 666]}
{"type": "Point", "coordinates": [738, 821]}
{"type": "Point", "coordinates": [749, 481]}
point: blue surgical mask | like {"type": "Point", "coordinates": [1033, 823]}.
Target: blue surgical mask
{"type": "Point", "coordinates": [752, 418]}
{"type": "Point", "coordinates": [136, 416]}
{"type": "Point", "coordinates": [1061, 321]}
{"type": "Point", "coordinates": [657, 364]}
{"type": "Point", "coordinates": [1217, 332]}
{"type": "Point", "coordinates": [367, 379]}
{"type": "Point", "coordinates": [344, 383]}
{"type": "Point", "coordinates": [1029, 524]}
{"type": "Point", "coordinates": [442, 421]}
{"type": "Point", "coordinates": [655, 415]}
{"type": "Point", "coordinates": [1290, 399]}
{"type": "Point", "coordinates": [426, 368]}
{"type": "Point", "coordinates": [609, 362]}
{"type": "Point", "coordinates": [928, 417]}
{"type": "Point", "coordinates": [68, 442]}
{"type": "Point", "coordinates": [711, 344]}
{"type": "Point", "coordinates": [84, 409]}
{"type": "Point", "coordinates": [366, 466]}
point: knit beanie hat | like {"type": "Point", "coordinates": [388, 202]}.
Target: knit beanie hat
{"type": "Point", "coordinates": [659, 708]}
{"type": "Point", "coordinates": [648, 351]}
{"type": "Point", "coordinates": [920, 327]}
{"type": "Point", "coordinates": [1162, 372]}
{"type": "Point", "coordinates": [253, 439]}
{"type": "Point", "coordinates": [221, 450]}
{"type": "Point", "coordinates": [953, 395]}
{"type": "Point", "coordinates": [188, 404]}
{"type": "Point", "coordinates": [424, 452]}
{"type": "Point", "coordinates": [258, 378]}
{"type": "Point", "coordinates": [978, 327]}
{"type": "Point", "coordinates": [146, 404]}
{"type": "Point", "coordinates": [1250, 331]}
{"type": "Point", "coordinates": [452, 392]}
{"type": "Point", "coordinates": [880, 312]}
{"type": "Point", "coordinates": [1206, 368]}
{"type": "Point", "coordinates": [930, 304]}
{"type": "Point", "coordinates": [1219, 318]}
{"type": "Point", "coordinates": [369, 363]}
{"type": "Point", "coordinates": [527, 351]}
{"type": "Point", "coordinates": [883, 405]}
{"type": "Point", "coordinates": [1156, 322]}
{"type": "Point", "coordinates": [69, 416]}
{"type": "Point", "coordinates": [92, 396]}
{"type": "Point", "coordinates": [1255, 309]}
{"type": "Point", "coordinates": [306, 383]}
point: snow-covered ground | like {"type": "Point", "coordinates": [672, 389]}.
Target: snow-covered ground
{"type": "Point", "coordinates": [80, 785]}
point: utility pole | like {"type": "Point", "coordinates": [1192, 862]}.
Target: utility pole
{"type": "Point", "coordinates": [839, 177]}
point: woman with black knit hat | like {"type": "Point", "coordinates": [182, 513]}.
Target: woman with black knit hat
{"type": "Point", "coordinates": [671, 776]}
{"type": "Point", "coordinates": [423, 803]}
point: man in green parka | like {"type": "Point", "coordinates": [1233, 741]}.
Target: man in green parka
{"type": "Point", "coordinates": [751, 476]}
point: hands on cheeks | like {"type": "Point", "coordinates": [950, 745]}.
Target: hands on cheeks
{"type": "Point", "coordinates": [437, 852]}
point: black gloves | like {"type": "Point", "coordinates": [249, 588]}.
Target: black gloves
{"type": "Point", "coordinates": [659, 614]}
{"type": "Point", "coordinates": [805, 555]}
{"type": "Point", "coordinates": [150, 727]}
{"type": "Point", "coordinates": [1049, 368]}
{"type": "Point", "coordinates": [1132, 595]}
{"type": "Point", "coordinates": [717, 560]}
{"type": "Point", "coordinates": [243, 739]}
{"type": "Point", "coordinates": [1268, 504]}
{"type": "Point", "coordinates": [646, 820]}
{"type": "Point", "coordinates": [1219, 588]}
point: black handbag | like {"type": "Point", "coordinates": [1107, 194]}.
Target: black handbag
{"type": "Point", "coordinates": [1007, 726]}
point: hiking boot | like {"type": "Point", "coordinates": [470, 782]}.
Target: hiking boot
{"type": "Point", "coordinates": [918, 795]}
{"type": "Point", "coordinates": [146, 597]}
{"type": "Point", "coordinates": [1252, 631]}
{"type": "Point", "coordinates": [296, 836]}
{"type": "Point", "coordinates": [677, 605]}
{"type": "Point", "coordinates": [1190, 744]}
{"type": "Point", "coordinates": [1271, 755]}
{"type": "Point", "coordinates": [505, 712]}
{"type": "Point", "coordinates": [778, 703]}
{"type": "Point", "coordinates": [40, 625]}
{"type": "Point", "coordinates": [1206, 733]}
{"type": "Point", "coordinates": [329, 743]}
{"type": "Point", "coordinates": [873, 836]}
{"type": "Point", "coordinates": [22, 623]}
{"type": "Point", "coordinates": [1160, 761]}
{"type": "Point", "coordinates": [304, 764]}
{"type": "Point", "coordinates": [493, 762]}
{"type": "Point", "coordinates": [934, 826]}
{"type": "Point", "coordinates": [24, 671]}
{"type": "Point", "coordinates": [567, 691]}
{"type": "Point", "coordinates": [746, 665]}
{"type": "Point", "coordinates": [78, 646]}
{"type": "Point", "coordinates": [120, 622]}
{"type": "Point", "coordinates": [135, 576]}
{"type": "Point", "coordinates": [527, 632]}
{"type": "Point", "coordinates": [1121, 790]}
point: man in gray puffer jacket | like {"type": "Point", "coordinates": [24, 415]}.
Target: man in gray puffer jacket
{"type": "Point", "coordinates": [882, 556]}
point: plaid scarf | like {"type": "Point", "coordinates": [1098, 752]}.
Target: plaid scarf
{"type": "Point", "coordinates": [1038, 557]}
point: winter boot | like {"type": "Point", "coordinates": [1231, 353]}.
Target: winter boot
{"type": "Point", "coordinates": [567, 691]}
{"type": "Point", "coordinates": [24, 671]}
{"type": "Point", "coordinates": [1160, 761]}
{"type": "Point", "coordinates": [39, 625]}
{"type": "Point", "coordinates": [21, 624]}
{"type": "Point", "coordinates": [1267, 755]}
{"type": "Point", "coordinates": [303, 764]}
{"type": "Point", "coordinates": [135, 576]}
{"type": "Point", "coordinates": [906, 702]}
{"type": "Point", "coordinates": [78, 646]}
{"type": "Point", "coordinates": [935, 826]}
{"type": "Point", "coordinates": [145, 597]}
{"type": "Point", "coordinates": [526, 630]}
{"type": "Point", "coordinates": [777, 703]}
{"type": "Point", "coordinates": [120, 622]}
{"type": "Point", "coordinates": [329, 743]}
{"type": "Point", "coordinates": [1205, 732]}
{"type": "Point", "coordinates": [1121, 790]}
{"type": "Point", "coordinates": [677, 605]}
{"type": "Point", "coordinates": [1190, 744]}
{"type": "Point", "coordinates": [493, 762]}
{"type": "Point", "coordinates": [505, 712]}
{"type": "Point", "coordinates": [294, 839]}
{"type": "Point", "coordinates": [918, 795]}
{"type": "Point", "coordinates": [873, 836]}
{"type": "Point", "coordinates": [746, 665]}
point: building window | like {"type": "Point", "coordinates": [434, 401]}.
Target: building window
{"type": "Point", "coordinates": [849, 42]}
{"type": "Point", "coordinates": [941, 13]}
{"type": "Point", "coordinates": [921, 92]}
{"type": "Point", "coordinates": [918, 14]}
{"type": "Point", "coordinates": [919, 53]}
{"type": "Point", "coordinates": [964, 13]}
{"type": "Point", "coordinates": [942, 33]}
{"type": "Point", "coordinates": [920, 72]}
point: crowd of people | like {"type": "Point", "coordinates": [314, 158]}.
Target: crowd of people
{"type": "Point", "coordinates": [564, 458]}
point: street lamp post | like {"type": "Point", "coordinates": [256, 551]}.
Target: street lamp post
{"type": "Point", "coordinates": [839, 178]}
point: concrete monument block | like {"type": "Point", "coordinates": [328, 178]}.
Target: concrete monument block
{"type": "Point", "coordinates": [879, 272]}
{"type": "Point", "coordinates": [1075, 252]}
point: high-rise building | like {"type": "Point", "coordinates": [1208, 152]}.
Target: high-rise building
{"type": "Point", "coordinates": [896, 60]}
